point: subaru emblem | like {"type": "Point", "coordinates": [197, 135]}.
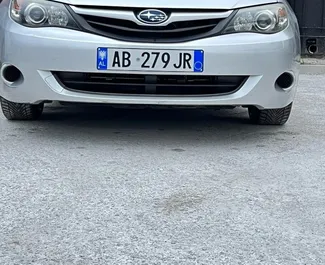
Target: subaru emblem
{"type": "Point", "coordinates": [152, 16]}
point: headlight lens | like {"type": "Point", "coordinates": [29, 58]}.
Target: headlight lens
{"type": "Point", "coordinates": [263, 19]}
{"type": "Point", "coordinates": [41, 13]}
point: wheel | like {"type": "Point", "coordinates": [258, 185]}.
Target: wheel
{"type": "Point", "coordinates": [19, 111]}
{"type": "Point", "coordinates": [270, 116]}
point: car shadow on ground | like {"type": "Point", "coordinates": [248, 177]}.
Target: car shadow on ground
{"type": "Point", "coordinates": [150, 125]}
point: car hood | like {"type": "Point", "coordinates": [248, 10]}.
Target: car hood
{"type": "Point", "coordinates": [206, 4]}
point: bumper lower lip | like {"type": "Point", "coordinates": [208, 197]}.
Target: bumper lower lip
{"type": "Point", "coordinates": [256, 91]}
{"type": "Point", "coordinates": [39, 52]}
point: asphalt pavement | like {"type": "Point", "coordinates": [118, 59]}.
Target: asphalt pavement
{"type": "Point", "coordinates": [92, 185]}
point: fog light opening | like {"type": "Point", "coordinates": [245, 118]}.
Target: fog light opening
{"type": "Point", "coordinates": [285, 81]}
{"type": "Point", "coordinates": [312, 49]}
{"type": "Point", "coordinates": [10, 74]}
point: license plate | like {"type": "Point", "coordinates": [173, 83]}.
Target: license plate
{"type": "Point", "coordinates": [150, 60]}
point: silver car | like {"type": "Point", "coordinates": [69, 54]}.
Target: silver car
{"type": "Point", "coordinates": [212, 53]}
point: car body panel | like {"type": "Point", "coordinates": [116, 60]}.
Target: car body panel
{"type": "Point", "coordinates": [39, 51]}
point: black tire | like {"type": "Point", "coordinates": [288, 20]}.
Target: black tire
{"type": "Point", "coordinates": [270, 116]}
{"type": "Point", "coordinates": [19, 111]}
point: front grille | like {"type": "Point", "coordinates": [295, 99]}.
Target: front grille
{"type": "Point", "coordinates": [190, 25]}
{"type": "Point", "coordinates": [105, 83]}
{"type": "Point", "coordinates": [122, 29]}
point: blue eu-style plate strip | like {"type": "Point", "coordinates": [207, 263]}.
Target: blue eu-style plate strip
{"type": "Point", "coordinates": [198, 61]}
{"type": "Point", "coordinates": [102, 58]}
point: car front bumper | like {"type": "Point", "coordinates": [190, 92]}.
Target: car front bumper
{"type": "Point", "coordinates": [39, 52]}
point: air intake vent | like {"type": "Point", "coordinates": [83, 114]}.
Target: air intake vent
{"type": "Point", "coordinates": [149, 84]}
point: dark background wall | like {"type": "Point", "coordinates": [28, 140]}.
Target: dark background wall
{"type": "Point", "coordinates": [311, 16]}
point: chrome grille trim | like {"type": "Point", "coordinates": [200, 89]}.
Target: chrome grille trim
{"type": "Point", "coordinates": [175, 16]}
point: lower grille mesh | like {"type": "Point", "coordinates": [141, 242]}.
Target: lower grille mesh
{"type": "Point", "coordinates": [149, 84]}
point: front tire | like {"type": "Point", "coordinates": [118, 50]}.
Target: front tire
{"type": "Point", "coordinates": [20, 111]}
{"type": "Point", "coordinates": [270, 116]}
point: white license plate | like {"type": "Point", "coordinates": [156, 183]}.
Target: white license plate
{"type": "Point", "coordinates": [150, 60]}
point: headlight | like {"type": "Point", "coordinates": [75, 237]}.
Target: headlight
{"type": "Point", "coordinates": [41, 13]}
{"type": "Point", "coordinates": [263, 19]}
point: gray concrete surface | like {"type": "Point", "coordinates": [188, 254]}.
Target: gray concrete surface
{"type": "Point", "coordinates": [91, 186]}
{"type": "Point", "coordinates": [312, 66]}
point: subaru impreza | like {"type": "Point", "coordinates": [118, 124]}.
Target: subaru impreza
{"type": "Point", "coordinates": [213, 53]}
